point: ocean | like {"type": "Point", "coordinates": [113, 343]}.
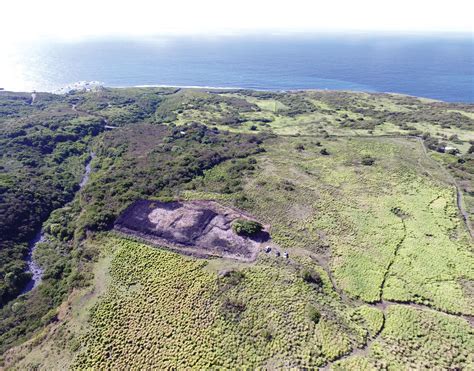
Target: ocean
{"type": "Point", "coordinates": [437, 67]}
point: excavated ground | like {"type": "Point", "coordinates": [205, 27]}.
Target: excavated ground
{"type": "Point", "coordinates": [197, 228]}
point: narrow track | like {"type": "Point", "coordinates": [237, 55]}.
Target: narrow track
{"type": "Point", "coordinates": [394, 257]}
{"type": "Point", "coordinates": [452, 180]}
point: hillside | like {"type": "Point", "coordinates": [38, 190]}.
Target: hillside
{"type": "Point", "coordinates": [371, 196]}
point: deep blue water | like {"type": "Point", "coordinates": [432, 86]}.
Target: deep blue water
{"type": "Point", "coordinates": [433, 67]}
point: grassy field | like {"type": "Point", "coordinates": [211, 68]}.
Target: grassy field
{"type": "Point", "coordinates": [417, 339]}
{"type": "Point", "coordinates": [162, 308]}
{"type": "Point", "coordinates": [389, 231]}
{"type": "Point", "coordinates": [389, 224]}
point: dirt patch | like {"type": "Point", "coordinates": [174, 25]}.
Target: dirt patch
{"type": "Point", "coordinates": [197, 228]}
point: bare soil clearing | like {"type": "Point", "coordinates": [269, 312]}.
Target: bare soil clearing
{"type": "Point", "coordinates": [197, 228]}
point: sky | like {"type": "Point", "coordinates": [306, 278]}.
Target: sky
{"type": "Point", "coordinates": [72, 20]}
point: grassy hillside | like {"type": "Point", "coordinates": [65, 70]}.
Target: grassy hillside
{"type": "Point", "coordinates": [370, 194]}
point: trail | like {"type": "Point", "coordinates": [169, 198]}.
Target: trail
{"type": "Point", "coordinates": [323, 263]}
{"type": "Point", "coordinates": [384, 304]}
{"type": "Point", "coordinates": [358, 351]}
{"type": "Point", "coordinates": [381, 304]}
{"type": "Point", "coordinates": [452, 180]}
{"type": "Point", "coordinates": [394, 257]}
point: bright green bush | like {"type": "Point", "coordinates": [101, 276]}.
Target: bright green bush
{"type": "Point", "coordinates": [246, 227]}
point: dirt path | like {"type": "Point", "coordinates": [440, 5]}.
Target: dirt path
{"type": "Point", "coordinates": [381, 304]}
{"type": "Point", "coordinates": [361, 352]}
{"type": "Point", "coordinates": [384, 304]}
{"type": "Point", "coordinates": [452, 180]}
{"type": "Point", "coordinates": [394, 257]}
{"type": "Point", "coordinates": [324, 264]}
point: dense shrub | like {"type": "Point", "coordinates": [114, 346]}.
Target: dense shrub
{"type": "Point", "coordinates": [368, 161]}
{"type": "Point", "coordinates": [313, 314]}
{"type": "Point", "coordinates": [49, 150]}
{"type": "Point", "coordinates": [246, 227]}
{"type": "Point", "coordinates": [311, 277]}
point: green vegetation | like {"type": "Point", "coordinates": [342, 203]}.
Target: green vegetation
{"type": "Point", "coordinates": [42, 150]}
{"type": "Point", "coordinates": [372, 318]}
{"type": "Point", "coordinates": [367, 160]}
{"type": "Point", "coordinates": [260, 318]}
{"type": "Point", "coordinates": [416, 339]}
{"type": "Point", "coordinates": [313, 314]}
{"type": "Point", "coordinates": [364, 191]}
{"type": "Point", "coordinates": [334, 201]}
{"type": "Point", "coordinates": [312, 277]}
{"type": "Point", "coordinates": [246, 227]}
{"type": "Point", "coordinates": [43, 164]}
{"type": "Point", "coordinates": [150, 160]}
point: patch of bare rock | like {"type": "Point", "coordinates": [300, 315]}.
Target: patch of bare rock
{"type": "Point", "coordinates": [197, 228]}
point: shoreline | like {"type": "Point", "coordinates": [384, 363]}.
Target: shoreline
{"type": "Point", "coordinates": [226, 88]}
{"type": "Point", "coordinates": [197, 87]}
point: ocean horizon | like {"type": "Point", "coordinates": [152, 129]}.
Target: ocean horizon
{"type": "Point", "coordinates": [435, 67]}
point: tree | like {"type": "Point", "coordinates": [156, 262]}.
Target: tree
{"type": "Point", "coordinates": [324, 152]}
{"type": "Point", "coordinates": [246, 227]}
